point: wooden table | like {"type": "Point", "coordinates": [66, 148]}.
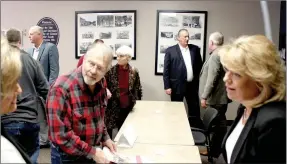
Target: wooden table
{"type": "Point", "coordinates": [159, 122]}
{"type": "Point", "coordinates": [163, 133]}
{"type": "Point", "coordinates": [163, 153]}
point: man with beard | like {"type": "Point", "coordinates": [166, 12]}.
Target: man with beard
{"type": "Point", "coordinates": [76, 109]}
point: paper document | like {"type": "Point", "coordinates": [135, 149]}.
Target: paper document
{"type": "Point", "coordinates": [115, 158]}
{"type": "Point", "coordinates": [127, 138]}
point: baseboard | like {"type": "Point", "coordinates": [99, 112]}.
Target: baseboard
{"type": "Point", "coordinates": [229, 122]}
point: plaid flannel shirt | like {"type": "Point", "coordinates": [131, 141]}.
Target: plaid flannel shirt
{"type": "Point", "coordinates": [76, 115]}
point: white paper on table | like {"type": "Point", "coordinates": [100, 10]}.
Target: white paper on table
{"type": "Point", "coordinates": [116, 158]}
{"type": "Point", "coordinates": [127, 138]}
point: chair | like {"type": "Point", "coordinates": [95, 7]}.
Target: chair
{"type": "Point", "coordinates": [202, 136]}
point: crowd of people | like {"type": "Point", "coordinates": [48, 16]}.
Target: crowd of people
{"type": "Point", "coordinates": [76, 114]}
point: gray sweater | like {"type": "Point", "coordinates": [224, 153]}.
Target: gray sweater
{"type": "Point", "coordinates": [34, 92]}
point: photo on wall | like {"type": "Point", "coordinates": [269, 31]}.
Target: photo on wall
{"type": "Point", "coordinates": [115, 28]}
{"type": "Point", "coordinates": [169, 22]}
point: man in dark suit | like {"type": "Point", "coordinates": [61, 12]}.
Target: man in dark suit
{"type": "Point", "coordinates": [182, 65]}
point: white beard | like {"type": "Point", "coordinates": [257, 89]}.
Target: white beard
{"type": "Point", "coordinates": [89, 81]}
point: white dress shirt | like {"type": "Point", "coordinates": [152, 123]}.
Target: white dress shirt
{"type": "Point", "coordinates": [9, 153]}
{"type": "Point", "coordinates": [36, 52]}
{"type": "Point", "coordinates": [187, 60]}
{"type": "Point", "coordinates": [232, 139]}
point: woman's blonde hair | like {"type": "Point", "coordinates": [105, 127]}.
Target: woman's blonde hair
{"type": "Point", "coordinates": [258, 58]}
{"type": "Point", "coordinates": [10, 67]}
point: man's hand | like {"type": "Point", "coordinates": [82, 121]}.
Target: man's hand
{"type": "Point", "coordinates": [100, 157]}
{"type": "Point", "coordinates": [168, 91]}
{"type": "Point", "coordinates": [203, 103]}
{"type": "Point", "coordinates": [109, 94]}
{"type": "Point", "coordinates": [111, 145]}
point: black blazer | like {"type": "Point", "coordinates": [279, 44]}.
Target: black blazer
{"type": "Point", "coordinates": [16, 144]}
{"type": "Point", "coordinates": [174, 72]}
{"type": "Point", "coordinates": [263, 138]}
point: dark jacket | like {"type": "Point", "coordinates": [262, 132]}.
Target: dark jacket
{"type": "Point", "coordinates": [34, 88]}
{"type": "Point", "coordinates": [175, 74]}
{"type": "Point", "coordinates": [263, 138]}
{"type": "Point", "coordinates": [135, 93]}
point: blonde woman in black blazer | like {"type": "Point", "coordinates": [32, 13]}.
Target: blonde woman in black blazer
{"type": "Point", "coordinates": [255, 78]}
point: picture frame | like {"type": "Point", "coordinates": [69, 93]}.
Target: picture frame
{"type": "Point", "coordinates": [169, 22]}
{"type": "Point", "coordinates": [114, 27]}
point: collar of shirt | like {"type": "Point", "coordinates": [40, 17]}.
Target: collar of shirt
{"type": "Point", "coordinates": [37, 49]}
{"type": "Point", "coordinates": [182, 48]}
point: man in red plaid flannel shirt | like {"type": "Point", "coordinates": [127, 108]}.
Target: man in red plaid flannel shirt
{"type": "Point", "coordinates": [76, 109]}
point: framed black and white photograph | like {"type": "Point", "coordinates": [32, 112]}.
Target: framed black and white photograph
{"type": "Point", "coordinates": [115, 28]}
{"type": "Point", "coordinates": [169, 22]}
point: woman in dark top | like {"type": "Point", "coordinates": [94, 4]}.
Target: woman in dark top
{"type": "Point", "coordinates": [255, 78]}
{"type": "Point", "coordinates": [124, 84]}
{"type": "Point", "coordinates": [11, 151]}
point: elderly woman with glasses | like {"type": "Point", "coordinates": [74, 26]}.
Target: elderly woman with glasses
{"type": "Point", "coordinates": [11, 151]}
{"type": "Point", "coordinates": [255, 77]}
{"type": "Point", "coordinates": [124, 83]}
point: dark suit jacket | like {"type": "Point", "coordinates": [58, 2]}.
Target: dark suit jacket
{"type": "Point", "coordinates": [175, 74]}
{"type": "Point", "coordinates": [49, 59]}
{"type": "Point", "coordinates": [263, 138]}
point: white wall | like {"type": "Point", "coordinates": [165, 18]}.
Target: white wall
{"type": "Point", "coordinates": [231, 18]}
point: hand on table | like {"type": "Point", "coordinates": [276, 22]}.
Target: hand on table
{"type": "Point", "coordinates": [111, 145]}
{"type": "Point", "coordinates": [100, 157]}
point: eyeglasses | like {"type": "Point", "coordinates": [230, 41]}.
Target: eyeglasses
{"type": "Point", "coordinates": [99, 68]}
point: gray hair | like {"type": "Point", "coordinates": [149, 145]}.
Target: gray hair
{"type": "Point", "coordinates": [183, 29]}
{"type": "Point", "coordinates": [217, 38]}
{"type": "Point", "coordinates": [37, 29]}
{"type": "Point", "coordinates": [103, 50]}
{"type": "Point", "coordinates": [125, 50]}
